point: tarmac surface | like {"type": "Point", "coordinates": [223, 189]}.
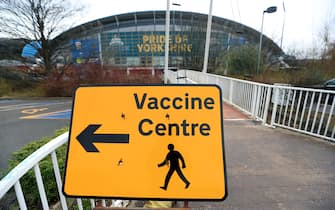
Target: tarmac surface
{"type": "Point", "coordinates": [274, 168]}
{"type": "Point", "coordinates": [25, 120]}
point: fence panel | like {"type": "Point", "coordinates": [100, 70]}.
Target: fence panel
{"type": "Point", "coordinates": [305, 110]}
{"type": "Point", "coordinates": [309, 111]}
{"type": "Point", "coordinates": [239, 93]}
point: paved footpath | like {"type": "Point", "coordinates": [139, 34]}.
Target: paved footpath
{"type": "Point", "coordinates": [274, 168]}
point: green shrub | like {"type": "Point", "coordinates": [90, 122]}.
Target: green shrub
{"type": "Point", "coordinates": [28, 181]}
{"type": "Point", "coordinates": [14, 88]}
{"type": "Point", "coordinates": [85, 202]}
{"type": "Point", "coordinates": [241, 60]}
{"type": "Point", "coordinates": [5, 87]}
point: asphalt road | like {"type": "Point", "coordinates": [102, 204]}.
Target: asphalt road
{"type": "Point", "coordinates": [26, 120]}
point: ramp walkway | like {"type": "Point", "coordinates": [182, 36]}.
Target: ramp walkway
{"type": "Point", "coordinates": [275, 168]}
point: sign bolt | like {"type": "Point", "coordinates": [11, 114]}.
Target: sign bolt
{"type": "Point", "coordinates": [123, 116]}
{"type": "Point", "coordinates": [120, 163]}
{"type": "Point", "coordinates": [167, 116]}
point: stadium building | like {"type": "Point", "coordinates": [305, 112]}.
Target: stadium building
{"type": "Point", "coordinates": [137, 39]}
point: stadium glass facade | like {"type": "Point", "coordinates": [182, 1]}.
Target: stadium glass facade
{"type": "Point", "coordinates": [138, 39]}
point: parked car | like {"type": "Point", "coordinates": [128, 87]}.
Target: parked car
{"type": "Point", "coordinates": [329, 85]}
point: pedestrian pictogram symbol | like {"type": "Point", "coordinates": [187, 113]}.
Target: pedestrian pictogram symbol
{"type": "Point", "coordinates": [146, 142]}
{"type": "Point", "coordinates": [172, 159]}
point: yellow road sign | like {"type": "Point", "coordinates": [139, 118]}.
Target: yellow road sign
{"type": "Point", "coordinates": [149, 142]}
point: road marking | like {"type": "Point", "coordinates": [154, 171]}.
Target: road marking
{"type": "Point", "coordinates": [16, 106]}
{"type": "Point", "coordinates": [33, 111]}
{"type": "Point", "coordinates": [29, 105]}
{"type": "Point", "coordinates": [63, 114]}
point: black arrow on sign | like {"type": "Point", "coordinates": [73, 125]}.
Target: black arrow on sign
{"type": "Point", "coordinates": [87, 137]}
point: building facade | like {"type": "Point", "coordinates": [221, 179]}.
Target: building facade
{"type": "Point", "coordinates": [138, 39]}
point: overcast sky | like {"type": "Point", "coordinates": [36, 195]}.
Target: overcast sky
{"type": "Point", "coordinates": [305, 19]}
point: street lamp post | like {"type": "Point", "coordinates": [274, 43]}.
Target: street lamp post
{"type": "Point", "coordinates": [167, 37]}
{"type": "Point", "coordinates": [167, 33]}
{"type": "Point", "coordinates": [208, 37]}
{"type": "Point", "coordinates": [175, 60]}
{"type": "Point", "coordinates": [282, 30]}
{"type": "Point", "coordinates": [268, 10]}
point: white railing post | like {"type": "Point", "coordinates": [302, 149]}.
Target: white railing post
{"type": "Point", "coordinates": [40, 186]}
{"type": "Point", "coordinates": [20, 196]}
{"type": "Point", "coordinates": [92, 203]}
{"type": "Point", "coordinates": [79, 204]}
{"type": "Point", "coordinates": [274, 109]}
{"type": "Point", "coordinates": [103, 203]}
{"type": "Point", "coordinates": [298, 107]}
{"type": "Point", "coordinates": [303, 110]}
{"type": "Point", "coordinates": [329, 118]}
{"type": "Point", "coordinates": [323, 114]}
{"type": "Point", "coordinates": [258, 96]}
{"type": "Point", "coordinates": [267, 105]}
{"type": "Point", "coordinates": [316, 113]}
{"type": "Point", "coordinates": [58, 180]}
{"type": "Point", "coordinates": [231, 91]}
{"type": "Point", "coordinates": [254, 99]}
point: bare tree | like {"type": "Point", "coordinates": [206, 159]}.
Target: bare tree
{"type": "Point", "coordinates": [38, 20]}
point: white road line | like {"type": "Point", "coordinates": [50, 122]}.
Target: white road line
{"type": "Point", "coordinates": [28, 105]}
{"type": "Point", "coordinates": [16, 105]}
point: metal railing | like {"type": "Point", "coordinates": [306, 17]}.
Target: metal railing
{"type": "Point", "coordinates": [12, 179]}
{"type": "Point", "coordinates": [309, 111]}
{"type": "Point", "coordinates": [250, 97]}
{"type": "Point", "coordinates": [14, 176]}
{"type": "Point", "coordinates": [305, 110]}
